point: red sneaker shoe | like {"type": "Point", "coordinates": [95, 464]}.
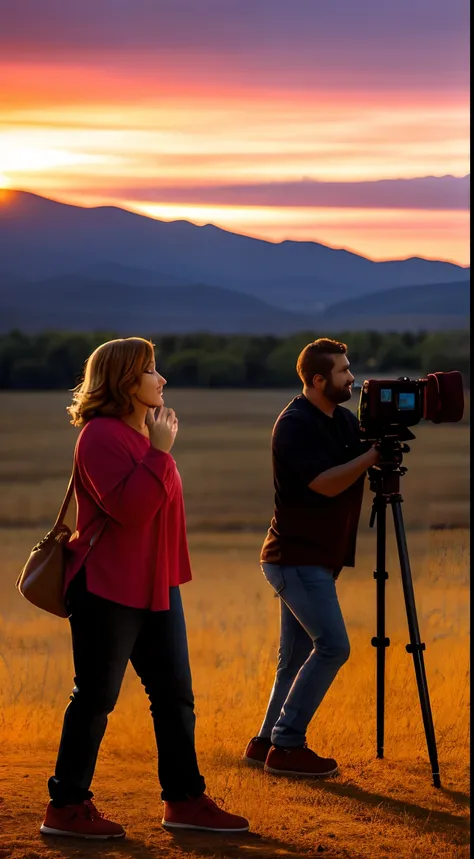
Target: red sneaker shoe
{"type": "Point", "coordinates": [201, 813]}
{"type": "Point", "coordinates": [80, 821]}
{"type": "Point", "coordinates": [256, 752]}
{"type": "Point", "coordinates": [300, 761]}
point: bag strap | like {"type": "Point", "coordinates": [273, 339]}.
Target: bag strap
{"type": "Point", "coordinates": [66, 502]}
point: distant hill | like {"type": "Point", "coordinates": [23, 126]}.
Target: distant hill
{"type": "Point", "coordinates": [80, 303]}
{"type": "Point", "coordinates": [429, 298]}
{"type": "Point", "coordinates": [114, 272]}
{"type": "Point", "coordinates": [77, 303]}
{"type": "Point", "coordinates": [41, 239]}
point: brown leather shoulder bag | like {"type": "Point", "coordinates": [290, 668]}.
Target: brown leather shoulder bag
{"type": "Point", "coordinates": [41, 580]}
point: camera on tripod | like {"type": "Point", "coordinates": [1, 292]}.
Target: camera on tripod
{"type": "Point", "coordinates": [387, 407]}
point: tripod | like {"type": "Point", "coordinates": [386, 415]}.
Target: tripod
{"type": "Point", "coordinates": [385, 482]}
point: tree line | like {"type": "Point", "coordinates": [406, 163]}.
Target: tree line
{"type": "Point", "coordinates": [55, 359]}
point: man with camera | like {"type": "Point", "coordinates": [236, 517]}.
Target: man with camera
{"type": "Point", "coordinates": [319, 467]}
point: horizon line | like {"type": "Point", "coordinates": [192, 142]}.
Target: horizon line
{"type": "Point", "coordinates": [7, 191]}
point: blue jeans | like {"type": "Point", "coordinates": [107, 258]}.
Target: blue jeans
{"type": "Point", "coordinates": [313, 647]}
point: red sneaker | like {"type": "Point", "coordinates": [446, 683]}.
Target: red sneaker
{"type": "Point", "coordinates": [201, 813]}
{"type": "Point", "coordinates": [256, 752]}
{"type": "Point", "coordinates": [80, 821]}
{"type": "Point", "coordinates": [300, 761]}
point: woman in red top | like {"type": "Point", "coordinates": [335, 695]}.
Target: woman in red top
{"type": "Point", "coordinates": [127, 559]}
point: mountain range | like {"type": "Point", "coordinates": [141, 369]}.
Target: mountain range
{"type": "Point", "coordinates": [76, 268]}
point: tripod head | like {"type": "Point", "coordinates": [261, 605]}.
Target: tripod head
{"type": "Point", "coordinates": [384, 477]}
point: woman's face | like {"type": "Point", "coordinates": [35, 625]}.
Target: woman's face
{"type": "Point", "coordinates": [150, 390]}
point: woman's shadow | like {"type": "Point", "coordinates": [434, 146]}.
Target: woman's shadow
{"type": "Point", "coordinates": [166, 845]}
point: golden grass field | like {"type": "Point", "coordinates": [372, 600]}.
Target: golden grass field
{"type": "Point", "coordinates": [373, 809]}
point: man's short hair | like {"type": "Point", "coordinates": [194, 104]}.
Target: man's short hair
{"type": "Point", "coordinates": [317, 358]}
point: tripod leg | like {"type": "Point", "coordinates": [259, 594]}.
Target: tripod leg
{"type": "Point", "coordinates": [380, 641]}
{"type": "Point", "coordinates": [416, 647]}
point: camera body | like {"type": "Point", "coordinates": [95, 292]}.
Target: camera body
{"type": "Point", "coordinates": [387, 407]}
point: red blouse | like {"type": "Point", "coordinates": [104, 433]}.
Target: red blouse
{"type": "Point", "coordinates": [130, 526]}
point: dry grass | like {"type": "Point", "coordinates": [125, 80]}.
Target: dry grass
{"type": "Point", "coordinates": [374, 809]}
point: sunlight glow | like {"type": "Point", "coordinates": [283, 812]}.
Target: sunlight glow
{"type": "Point", "coordinates": [81, 134]}
{"type": "Point", "coordinates": [29, 159]}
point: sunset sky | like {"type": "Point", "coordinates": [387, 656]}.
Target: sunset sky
{"type": "Point", "coordinates": [340, 121]}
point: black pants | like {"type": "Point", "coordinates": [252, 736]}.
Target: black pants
{"type": "Point", "coordinates": [105, 635]}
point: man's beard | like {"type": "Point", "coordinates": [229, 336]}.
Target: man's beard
{"type": "Point", "coordinates": [337, 395]}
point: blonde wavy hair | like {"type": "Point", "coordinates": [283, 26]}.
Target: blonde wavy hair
{"type": "Point", "coordinates": [109, 375]}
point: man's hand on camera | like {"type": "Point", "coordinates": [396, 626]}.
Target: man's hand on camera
{"type": "Point", "coordinates": [373, 455]}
